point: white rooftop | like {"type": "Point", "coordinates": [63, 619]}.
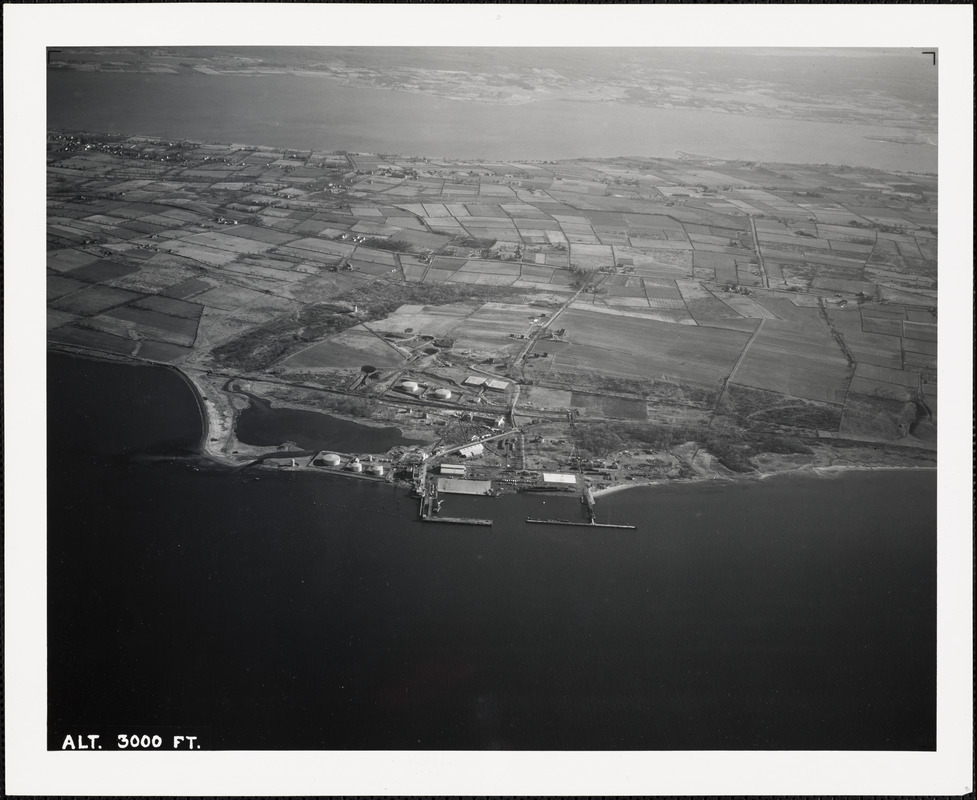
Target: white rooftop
{"type": "Point", "coordinates": [559, 477]}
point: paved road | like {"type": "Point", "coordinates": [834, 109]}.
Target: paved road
{"type": "Point", "coordinates": [539, 330]}
{"type": "Point", "coordinates": [732, 372]}
{"type": "Point", "coordinates": [759, 255]}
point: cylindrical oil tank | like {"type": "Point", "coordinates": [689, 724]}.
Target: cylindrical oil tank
{"type": "Point", "coordinates": [442, 394]}
{"type": "Point", "coordinates": [331, 460]}
{"type": "Point", "coordinates": [409, 386]}
{"type": "Point", "coordinates": [376, 469]}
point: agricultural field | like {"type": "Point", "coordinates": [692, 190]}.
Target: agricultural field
{"type": "Point", "coordinates": [489, 331]}
{"type": "Point", "coordinates": [796, 359]}
{"type": "Point", "coordinates": [639, 347]}
{"type": "Point", "coordinates": [634, 289]}
{"type": "Point", "coordinates": [355, 347]}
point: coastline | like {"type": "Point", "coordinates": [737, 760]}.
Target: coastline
{"type": "Point", "coordinates": [205, 417]}
{"type": "Point", "coordinates": [752, 477]}
{"type": "Point", "coordinates": [225, 448]}
{"type": "Point", "coordinates": [219, 443]}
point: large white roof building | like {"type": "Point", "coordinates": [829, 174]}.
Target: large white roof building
{"type": "Point", "coordinates": [472, 450]}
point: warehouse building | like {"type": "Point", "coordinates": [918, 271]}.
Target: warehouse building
{"type": "Point", "coordinates": [453, 469]}
{"type": "Point", "coordinates": [459, 486]}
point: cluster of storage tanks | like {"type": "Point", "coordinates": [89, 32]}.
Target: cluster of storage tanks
{"type": "Point", "coordinates": [413, 387]}
{"type": "Point", "coordinates": [335, 461]}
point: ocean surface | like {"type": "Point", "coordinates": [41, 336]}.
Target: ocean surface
{"type": "Point", "coordinates": [278, 610]}
{"type": "Point", "coordinates": [309, 112]}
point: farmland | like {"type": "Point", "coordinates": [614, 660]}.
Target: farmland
{"type": "Point", "coordinates": [702, 296]}
{"type": "Point", "coordinates": [633, 346]}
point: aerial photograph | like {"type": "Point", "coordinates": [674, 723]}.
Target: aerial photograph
{"type": "Point", "coordinates": [494, 398]}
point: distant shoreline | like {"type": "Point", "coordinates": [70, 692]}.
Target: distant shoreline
{"type": "Point", "coordinates": [482, 131]}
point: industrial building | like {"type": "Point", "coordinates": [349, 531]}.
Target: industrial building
{"type": "Point", "coordinates": [472, 450]}
{"type": "Point", "coordinates": [496, 385]}
{"type": "Point", "coordinates": [457, 486]}
{"type": "Point", "coordinates": [474, 380]}
{"type": "Point", "coordinates": [559, 477]}
{"type": "Point", "coordinates": [453, 469]}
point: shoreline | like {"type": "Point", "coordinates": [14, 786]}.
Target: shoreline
{"type": "Point", "coordinates": [810, 471]}
{"type": "Point", "coordinates": [219, 444]}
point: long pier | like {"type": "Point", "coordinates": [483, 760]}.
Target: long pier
{"type": "Point", "coordinates": [588, 498]}
{"type": "Point", "coordinates": [579, 524]}
{"type": "Point", "coordinates": [459, 520]}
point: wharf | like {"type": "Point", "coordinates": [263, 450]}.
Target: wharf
{"type": "Point", "coordinates": [579, 524]}
{"type": "Point", "coordinates": [430, 505]}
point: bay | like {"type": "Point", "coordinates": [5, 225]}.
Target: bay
{"type": "Point", "coordinates": [265, 425]}
{"type": "Point", "coordinates": [308, 112]}
{"type": "Point", "coordinates": [300, 611]}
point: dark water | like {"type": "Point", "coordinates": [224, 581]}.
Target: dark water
{"type": "Point", "coordinates": [303, 611]}
{"type": "Point", "coordinates": [265, 425]}
{"type": "Point", "coordinates": [305, 113]}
